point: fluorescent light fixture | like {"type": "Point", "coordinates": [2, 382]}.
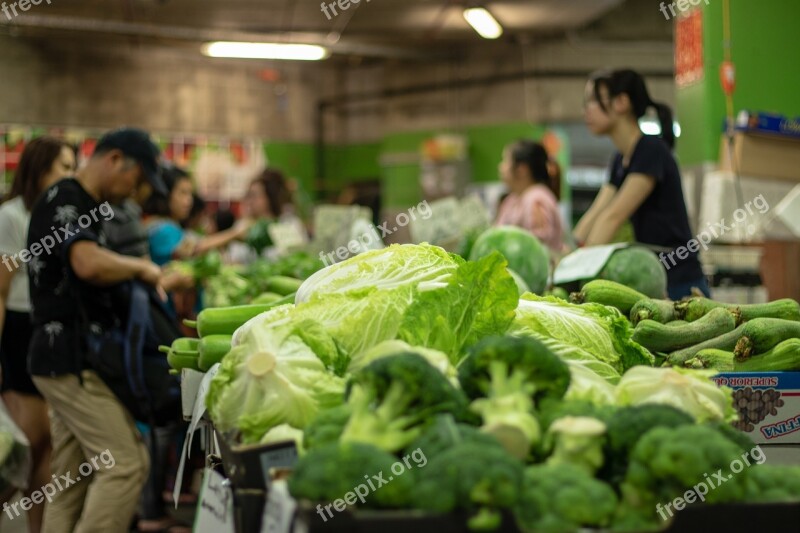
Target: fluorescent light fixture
{"type": "Point", "coordinates": [650, 126]}
{"type": "Point", "coordinates": [483, 22]}
{"type": "Point", "coordinates": [295, 52]}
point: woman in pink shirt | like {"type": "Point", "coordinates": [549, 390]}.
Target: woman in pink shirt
{"type": "Point", "coordinates": [532, 203]}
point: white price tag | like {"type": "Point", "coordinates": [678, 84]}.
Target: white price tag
{"type": "Point", "coordinates": [215, 505]}
{"type": "Point", "coordinates": [584, 263]}
{"type": "Point", "coordinates": [197, 415]}
{"type": "Point", "coordinates": [279, 509]}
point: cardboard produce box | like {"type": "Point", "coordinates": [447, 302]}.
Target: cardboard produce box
{"type": "Point", "coordinates": [768, 403]}
{"type": "Point", "coordinates": [768, 156]}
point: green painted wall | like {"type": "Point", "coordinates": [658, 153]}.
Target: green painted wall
{"type": "Point", "coordinates": [766, 52]}
{"type": "Point", "coordinates": [400, 178]}
{"type": "Point", "coordinates": [486, 143]}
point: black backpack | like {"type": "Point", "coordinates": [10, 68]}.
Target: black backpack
{"type": "Point", "coordinates": [129, 362]}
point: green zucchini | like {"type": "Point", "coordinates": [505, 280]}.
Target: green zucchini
{"type": "Point", "coordinates": [762, 334]}
{"type": "Point", "coordinates": [721, 360]}
{"type": "Point", "coordinates": [212, 349]}
{"type": "Point", "coordinates": [657, 337]}
{"type": "Point", "coordinates": [725, 341]}
{"type": "Point", "coordinates": [691, 309]}
{"type": "Point", "coordinates": [662, 311]}
{"type": "Point", "coordinates": [266, 298]}
{"type": "Point", "coordinates": [785, 308]}
{"type": "Point", "coordinates": [785, 357]}
{"type": "Point", "coordinates": [694, 308]}
{"type": "Point", "coordinates": [283, 285]}
{"type": "Point", "coordinates": [225, 320]}
{"type": "Point", "coordinates": [676, 323]}
{"type": "Point", "coordinates": [182, 353]}
{"type": "Point", "coordinates": [608, 293]}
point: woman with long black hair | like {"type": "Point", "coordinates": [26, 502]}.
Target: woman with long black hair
{"type": "Point", "coordinates": [645, 182]}
{"type": "Point", "coordinates": [44, 161]}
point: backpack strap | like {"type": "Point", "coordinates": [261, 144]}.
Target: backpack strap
{"type": "Point", "coordinates": [138, 320]}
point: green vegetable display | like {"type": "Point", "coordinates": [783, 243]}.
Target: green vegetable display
{"type": "Point", "coordinates": [525, 254]}
{"type": "Point", "coordinates": [513, 408]}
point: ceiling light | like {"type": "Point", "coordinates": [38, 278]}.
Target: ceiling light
{"type": "Point", "coordinates": [483, 22]}
{"type": "Point", "coordinates": [295, 52]}
{"type": "Point", "coordinates": [651, 126]}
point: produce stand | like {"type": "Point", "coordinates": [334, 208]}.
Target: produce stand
{"type": "Point", "coordinates": [247, 484]}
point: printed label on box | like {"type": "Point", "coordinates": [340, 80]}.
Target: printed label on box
{"type": "Point", "coordinates": [768, 404]}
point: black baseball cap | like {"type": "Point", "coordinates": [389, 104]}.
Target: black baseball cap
{"type": "Point", "coordinates": [136, 144]}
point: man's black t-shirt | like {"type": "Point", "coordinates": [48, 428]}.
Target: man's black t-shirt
{"type": "Point", "coordinates": [64, 215]}
{"type": "Point", "coordinates": [662, 219]}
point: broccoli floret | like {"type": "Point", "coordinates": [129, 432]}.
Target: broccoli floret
{"type": "Point", "coordinates": [474, 477]}
{"type": "Point", "coordinates": [563, 498]}
{"type": "Point", "coordinates": [626, 426]}
{"type": "Point", "coordinates": [773, 484]}
{"type": "Point", "coordinates": [668, 461]}
{"type": "Point", "coordinates": [392, 399]}
{"type": "Point", "coordinates": [328, 472]}
{"type": "Point", "coordinates": [577, 441]}
{"type": "Point", "coordinates": [514, 357]}
{"type": "Point", "coordinates": [444, 433]}
{"type": "Point", "coordinates": [326, 427]}
{"type": "Point", "coordinates": [507, 377]}
{"type": "Point", "coordinates": [743, 440]}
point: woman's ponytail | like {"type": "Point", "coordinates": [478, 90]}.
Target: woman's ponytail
{"type": "Point", "coordinates": [666, 122]}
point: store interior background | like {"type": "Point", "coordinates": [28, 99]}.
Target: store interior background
{"type": "Point", "coordinates": [402, 71]}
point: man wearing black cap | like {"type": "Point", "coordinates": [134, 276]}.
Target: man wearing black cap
{"type": "Point", "coordinates": [87, 420]}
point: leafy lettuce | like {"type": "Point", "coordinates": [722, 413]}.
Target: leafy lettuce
{"type": "Point", "coordinates": [399, 265]}
{"type": "Point", "coordinates": [596, 329]}
{"type": "Point", "coordinates": [692, 391]}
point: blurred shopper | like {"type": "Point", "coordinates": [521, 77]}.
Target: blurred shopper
{"type": "Point", "coordinates": [198, 221]}
{"type": "Point", "coordinates": [72, 294]}
{"type": "Point", "coordinates": [645, 185]}
{"type": "Point", "coordinates": [269, 197]}
{"type": "Point", "coordinates": [126, 235]}
{"type": "Point", "coordinates": [168, 240]}
{"type": "Point", "coordinates": [44, 161]}
{"type": "Point", "coordinates": [532, 202]}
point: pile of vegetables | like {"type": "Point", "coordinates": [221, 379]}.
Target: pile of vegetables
{"type": "Point", "coordinates": [557, 413]}
{"type": "Point", "coordinates": [254, 283]}
{"type": "Point", "coordinates": [505, 440]}
{"type": "Point", "coordinates": [699, 333]}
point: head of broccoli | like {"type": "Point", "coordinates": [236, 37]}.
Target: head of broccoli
{"type": "Point", "coordinates": [392, 399]}
{"type": "Point", "coordinates": [329, 472]}
{"type": "Point", "coordinates": [507, 377]}
{"type": "Point", "coordinates": [478, 478]}
{"type": "Point", "coordinates": [626, 426]}
{"type": "Point", "coordinates": [563, 498]}
{"type": "Point", "coordinates": [669, 461]}
{"type": "Point", "coordinates": [498, 360]}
